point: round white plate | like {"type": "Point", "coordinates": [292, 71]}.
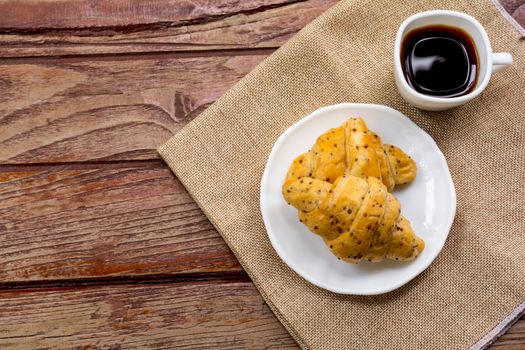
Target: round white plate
{"type": "Point", "coordinates": [429, 202]}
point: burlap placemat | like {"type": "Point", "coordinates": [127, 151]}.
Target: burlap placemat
{"type": "Point", "coordinates": [346, 56]}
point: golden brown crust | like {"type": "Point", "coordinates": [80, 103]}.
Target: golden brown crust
{"type": "Point", "coordinates": [353, 149]}
{"type": "Point", "coordinates": [362, 156]}
{"type": "Point", "coordinates": [402, 166]}
{"type": "Point", "coordinates": [329, 155]}
{"type": "Point", "coordinates": [357, 218]}
{"type": "Point", "coordinates": [404, 244]}
{"type": "Point", "coordinates": [341, 190]}
{"type": "Point", "coordinates": [300, 167]}
{"type": "Point", "coordinates": [345, 200]}
{"type": "Point", "coordinates": [381, 242]}
{"type": "Point", "coordinates": [386, 174]}
{"type": "Point", "coordinates": [353, 243]}
{"type": "Point", "coordinates": [305, 193]}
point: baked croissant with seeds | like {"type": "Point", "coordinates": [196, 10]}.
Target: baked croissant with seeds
{"type": "Point", "coordinates": [357, 218]}
{"type": "Point", "coordinates": [347, 201]}
{"type": "Point", "coordinates": [354, 149]}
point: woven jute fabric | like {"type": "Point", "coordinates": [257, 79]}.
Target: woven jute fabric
{"type": "Point", "coordinates": [346, 55]}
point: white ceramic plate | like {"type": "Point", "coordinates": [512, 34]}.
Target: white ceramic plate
{"type": "Point", "coordinates": [429, 202]}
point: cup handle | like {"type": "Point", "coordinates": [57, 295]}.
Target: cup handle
{"type": "Point", "coordinates": [500, 61]}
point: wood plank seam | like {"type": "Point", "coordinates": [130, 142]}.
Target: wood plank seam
{"type": "Point", "coordinates": [87, 164]}
{"type": "Point", "coordinates": [270, 28]}
{"type": "Point", "coordinates": [132, 28]}
{"type": "Point", "coordinates": [182, 278]}
{"type": "Point", "coordinates": [143, 55]}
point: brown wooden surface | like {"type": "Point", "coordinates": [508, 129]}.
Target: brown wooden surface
{"type": "Point", "coordinates": [124, 26]}
{"type": "Point", "coordinates": [516, 8]}
{"type": "Point", "coordinates": [100, 245]}
{"type": "Point", "coordinates": [82, 221]}
{"type": "Point", "coordinates": [198, 315]}
{"type": "Point", "coordinates": [93, 109]}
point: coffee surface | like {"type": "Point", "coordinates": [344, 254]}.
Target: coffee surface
{"type": "Point", "coordinates": [440, 60]}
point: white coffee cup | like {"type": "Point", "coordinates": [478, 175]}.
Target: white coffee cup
{"type": "Point", "coordinates": [488, 62]}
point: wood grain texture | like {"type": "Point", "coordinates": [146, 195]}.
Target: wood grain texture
{"type": "Point", "coordinates": [519, 15]}
{"type": "Point", "coordinates": [511, 5]}
{"type": "Point", "coordinates": [70, 222]}
{"type": "Point", "coordinates": [69, 27]}
{"type": "Point", "coordinates": [513, 339]}
{"type": "Point", "coordinates": [188, 316]}
{"type": "Point", "coordinates": [31, 15]}
{"type": "Point", "coordinates": [106, 109]}
{"type": "Point", "coordinates": [516, 8]}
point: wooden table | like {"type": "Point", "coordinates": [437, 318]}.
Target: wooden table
{"type": "Point", "coordinates": [100, 245]}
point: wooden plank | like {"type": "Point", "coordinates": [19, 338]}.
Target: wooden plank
{"type": "Point", "coordinates": [511, 5]}
{"type": "Point", "coordinates": [67, 14]}
{"type": "Point", "coordinates": [88, 27]}
{"type": "Point", "coordinates": [513, 339]}
{"type": "Point", "coordinates": [107, 109]}
{"type": "Point", "coordinates": [189, 316]}
{"type": "Point", "coordinates": [516, 8]}
{"type": "Point", "coordinates": [519, 15]}
{"type": "Point", "coordinates": [93, 220]}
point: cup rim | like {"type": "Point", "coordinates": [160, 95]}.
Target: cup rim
{"type": "Point", "coordinates": [440, 100]}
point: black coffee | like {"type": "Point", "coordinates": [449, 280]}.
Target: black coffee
{"type": "Point", "coordinates": [439, 60]}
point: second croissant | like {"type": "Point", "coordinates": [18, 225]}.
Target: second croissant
{"type": "Point", "coordinates": [354, 149]}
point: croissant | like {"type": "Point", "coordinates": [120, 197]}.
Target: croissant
{"type": "Point", "coordinates": [354, 149]}
{"type": "Point", "coordinates": [341, 191]}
